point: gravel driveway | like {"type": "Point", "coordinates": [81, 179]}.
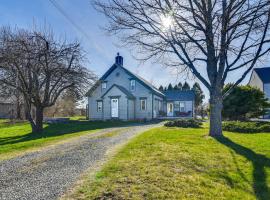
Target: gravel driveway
{"type": "Point", "coordinates": [47, 174]}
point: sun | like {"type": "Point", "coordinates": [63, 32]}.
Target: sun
{"type": "Point", "coordinates": [166, 21]}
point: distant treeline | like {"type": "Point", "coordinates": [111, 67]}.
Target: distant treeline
{"type": "Point", "coordinates": [179, 86]}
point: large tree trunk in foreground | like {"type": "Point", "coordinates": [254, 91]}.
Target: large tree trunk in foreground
{"type": "Point", "coordinates": [38, 127]}
{"type": "Point", "coordinates": [215, 115]}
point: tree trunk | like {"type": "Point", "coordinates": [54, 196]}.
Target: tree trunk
{"type": "Point", "coordinates": [39, 120]}
{"type": "Point", "coordinates": [215, 114]}
{"type": "Point", "coordinates": [18, 109]}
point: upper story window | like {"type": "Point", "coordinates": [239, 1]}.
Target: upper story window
{"type": "Point", "coordinates": [143, 104]}
{"type": "Point", "coordinates": [104, 85]}
{"type": "Point", "coordinates": [182, 107]}
{"type": "Point", "coordinates": [132, 85]}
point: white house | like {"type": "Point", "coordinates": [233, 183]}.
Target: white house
{"type": "Point", "coordinates": [260, 78]}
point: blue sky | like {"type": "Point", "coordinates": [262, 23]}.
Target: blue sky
{"type": "Point", "coordinates": [100, 48]}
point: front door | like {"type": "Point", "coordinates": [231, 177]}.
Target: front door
{"type": "Point", "coordinates": [114, 108]}
{"type": "Point", "coordinates": [170, 109]}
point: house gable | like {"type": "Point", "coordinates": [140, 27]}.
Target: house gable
{"type": "Point", "coordinates": [122, 89]}
{"type": "Point", "coordinates": [255, 81]}
{"type": "Point", "coordinates": [139, 79]}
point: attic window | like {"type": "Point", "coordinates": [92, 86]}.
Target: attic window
{"type": "Point", "coordinates": [117, 74]}
{"type": "Point", "coordinates": [104, 85]}
{"type": "Point", "coordinates": [132, 85]}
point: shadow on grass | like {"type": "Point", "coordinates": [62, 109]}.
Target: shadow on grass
{"type": "Point", "coordinates": [54, 130]}
{"type": "Point", "coordinates": [259, 162]}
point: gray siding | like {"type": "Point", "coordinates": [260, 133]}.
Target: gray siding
{"type": "Point", "coordinates": [156, 109]}
{"type": "Point", "coordinates": [189, 105]}
{"type": "Point", "coordinates": [120, 77]}
{"type": "Point", "coordinates": [255, 81]}
{"type": "Point", "coordinates": [128, 109]}
{"type": "Point", "coordinates": [267, 94]}
{"type": "Point", "coordinates": [267, 90]}
{"type": "Point", "coordinates": [92, 104]}
{"type": "Point", "coordinates": [131, 113]}
{"type": "Point", "coordinates": [122, 104]}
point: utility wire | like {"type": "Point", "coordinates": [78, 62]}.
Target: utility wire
{"type": "Point", "coordinates": [59, 8]}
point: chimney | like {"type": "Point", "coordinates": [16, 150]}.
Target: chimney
{"type": "Point", "coordinates": [119, 60]}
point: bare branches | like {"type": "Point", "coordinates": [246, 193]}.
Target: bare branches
{"type": "Point", "coordinates": [40, 67]}
{"type": "Point", "coordinates": [224, 33]}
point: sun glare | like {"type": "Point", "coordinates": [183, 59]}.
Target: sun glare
{"type": "Point", "coordinates": [166, 21]}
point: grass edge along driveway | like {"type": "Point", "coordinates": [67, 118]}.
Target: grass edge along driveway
{"type": "Point", "coordinates": [175, 163]}
{"type": "Point", "coordinates": [17, 139]}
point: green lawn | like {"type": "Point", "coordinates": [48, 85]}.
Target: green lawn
{"type": "Point", "coordinates": [175, 163]}
{"type": "Point", "coordinates": [16, 138]}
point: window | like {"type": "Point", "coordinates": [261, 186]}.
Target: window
{"type": "Point", "coordinates": [99, 106]}
{"type": "Point", "coordinates": [104, 85]}
{"type": "Point", "coordinates": [132, 85]}
{"type": "Point", "coordinates": [159, 105]}
{"type": "Point", "coordinates": [143, 104]}
{"type": "Point", "coordinates": [182, 107]}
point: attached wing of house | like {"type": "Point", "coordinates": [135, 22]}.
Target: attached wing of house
{"type": "Point", "coordinates": [121, 94]}
{"type": "Point", "coordinates": [260, 78]}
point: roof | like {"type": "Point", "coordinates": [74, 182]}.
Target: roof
{"type": "Point", "coordinates": [5, 100]}
{"type": "Point", "coordinates": [124, 90]}
{"type": "Point", "coordinates": [179, 95]}
{"type": "Point", "coordinates": [135, 76]}
{"type": "Point", "coordinates": [264, 74]}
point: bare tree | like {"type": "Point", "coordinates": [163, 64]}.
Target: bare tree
{"type": "Point", "coordinates": [41, 68]}
{"type": "Point", "coordinates": [219, 37]}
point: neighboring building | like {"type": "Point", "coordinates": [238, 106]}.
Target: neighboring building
{"type": "Point", "coordinates": [120, 94]}
{"type": "Point", "coordinates": [7, 108]}
{"type": "Point", "coordinates": [260, 78]}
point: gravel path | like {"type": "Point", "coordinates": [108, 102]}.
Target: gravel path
{"type": "Point", "coordinates": [47, 174]}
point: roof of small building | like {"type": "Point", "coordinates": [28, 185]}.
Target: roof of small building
{"type": "Point", "coordinates": [179, 95]}
{"type": "Point", "coordinates": [5, 100]}
{"type": "Point", "coordinates": [264, 74]}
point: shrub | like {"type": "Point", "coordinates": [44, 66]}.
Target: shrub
{"type": "Point", "coordinates": [189, 123]}
{"type": "Point", "coordinates": [246, 127]}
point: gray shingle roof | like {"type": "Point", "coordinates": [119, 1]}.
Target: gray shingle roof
{"type": "Point", "coordinates": [179, 95]}
{"type": "Point", "coordinates": [264, 74]}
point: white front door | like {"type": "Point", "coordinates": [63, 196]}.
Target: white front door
{"type": "Point", "coordinates": [114, 107]}
{"type": "Point", "coordinates": [170, 109]}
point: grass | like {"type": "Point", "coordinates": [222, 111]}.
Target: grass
{"type": "Point", "coordinates": [16, 138]}
{"type": "Point", "coordinates": [178, 163]}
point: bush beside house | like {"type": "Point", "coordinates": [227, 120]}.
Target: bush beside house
{"type": "Point", "coordinates": [246, 127]}
{"type": "Point", "coordinates": [243, 103]}
{"type": "Point", "coordinates": [190, 123]}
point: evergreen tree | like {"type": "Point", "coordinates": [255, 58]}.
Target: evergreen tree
{"type": "Point", "coordinates": [199, 96]}
{"type": "Point", "coordinates": [186, 86]}
{"type": "Point", "coordinates": [170, 87]}
{"type": "Point", "coordinates": [179, 86]}
{"type": "Point", "coordinates": [161, 88]}
{"type": "Point", "coordinates": [175, 87]}
{"type": "Point", "coordinates": [244, 102]}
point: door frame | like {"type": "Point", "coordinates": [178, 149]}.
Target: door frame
{"type": "Point", "coordinates": [115, 98]}
{"type": "Point", "coordinates": [171, 113]}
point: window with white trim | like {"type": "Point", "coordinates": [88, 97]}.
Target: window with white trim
{"type": "Point", "coordinates": [104, 85]}
{"type": "Point", "coordinates": [99, 106]}
{"type": "Point", "coordinates": [182, 106]}
{"type": "Point", "coordinates": [132, 85]}
{"type": "Point", "coordinates": [143, 104]}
